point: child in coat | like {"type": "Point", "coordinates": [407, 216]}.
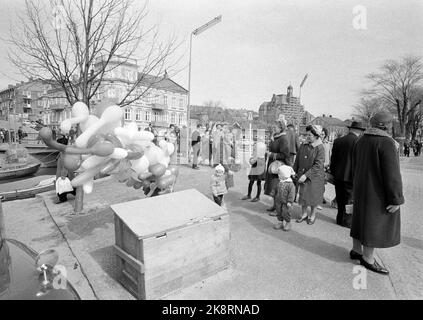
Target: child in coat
{"type": "Point", "coordinates": [218, 184]}
{"type": "Point", "coordinates": [257, 171]}
{"type": "Point", "coordinates": [64, 186]}
{"type": "Point", "coordinates": [284, 197]}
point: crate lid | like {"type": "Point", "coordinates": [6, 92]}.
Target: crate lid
{"type": "Point", "coordinates": [152, 216]}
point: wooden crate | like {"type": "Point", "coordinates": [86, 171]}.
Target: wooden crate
{"type": "Point", "coordinates": [169, 242]}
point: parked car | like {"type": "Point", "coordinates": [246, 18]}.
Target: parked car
{"type": "Point", "coordinates": [26, 275]}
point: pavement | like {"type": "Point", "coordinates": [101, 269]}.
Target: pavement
{"type": "Point", "coordinates": [309, 262]}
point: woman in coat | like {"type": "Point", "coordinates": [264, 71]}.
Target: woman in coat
{"type": "Point", "coordinates": [309, 166]}
{"type": "Point", "coordinates": [377, 193]}
{"type": "Point", "coordinates": [278, 150]}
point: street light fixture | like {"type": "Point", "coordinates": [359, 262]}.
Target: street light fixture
{"type": "Point", "coordinates": [196, 32]}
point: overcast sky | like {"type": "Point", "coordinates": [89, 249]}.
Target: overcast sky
{"type": "Point", "coordinates": [261, 46]}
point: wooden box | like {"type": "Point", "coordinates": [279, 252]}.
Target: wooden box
{"type": "Point", "coordinates": [169, 242]}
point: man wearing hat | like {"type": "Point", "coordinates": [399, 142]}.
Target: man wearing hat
{"type": "Point", "coordinates": [341, 169]}
{"type": "Point", "coordinates": [377, 193]}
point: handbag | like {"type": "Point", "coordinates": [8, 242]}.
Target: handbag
{"type": "Point", "coordinates": [274, 166]}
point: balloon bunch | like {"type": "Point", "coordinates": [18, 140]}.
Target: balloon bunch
{"type": "Point", "coordinates": [105, 147]}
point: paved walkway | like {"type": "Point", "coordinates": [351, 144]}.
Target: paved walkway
{"type": "Point", "coordinates": [309, 262]}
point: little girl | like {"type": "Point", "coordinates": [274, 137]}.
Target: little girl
{"type": "Point", "coordinates": [218, 184]}
{"type": "Point", "coordinates": [257, 171]}
{"type": "Point", "coordinates": [284, 197]}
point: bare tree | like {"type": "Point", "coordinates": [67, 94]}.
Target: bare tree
{"type": "Point", "coordinates": [396, 84]}
{"type": "Point", "coordinates": [367, 108]}
{"type": "Point", "coordinates": [75, 44]}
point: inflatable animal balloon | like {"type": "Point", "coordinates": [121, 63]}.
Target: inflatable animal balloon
{"type": "Point", "coordinates": [80, 114]}
{"type": "Point", "coordinates": [110, 115]}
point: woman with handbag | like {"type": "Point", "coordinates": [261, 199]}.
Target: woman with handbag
{"type": "Point", "coordinates": [309, 166]}
{"type": "Point", "coordinates": [278, 155]}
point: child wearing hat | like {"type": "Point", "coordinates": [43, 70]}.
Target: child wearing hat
{"type": "Point", "coordinates": [284, 197]}
{"type": "Point", "coordinates": [218, 184]}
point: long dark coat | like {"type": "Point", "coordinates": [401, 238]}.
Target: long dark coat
{"type": "Point", "coordinates": [377, 183]}
{"type": "Point", "coordinates": [341, 158]}
{"type": "Point", "coordinates": [280, 147]}
{"type": "Point", "coordinates": [310, 162]}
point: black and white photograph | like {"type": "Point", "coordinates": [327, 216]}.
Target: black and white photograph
{"type": "Point", "coordinates": [225, 152]}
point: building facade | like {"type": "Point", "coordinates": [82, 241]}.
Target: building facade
{"type": "Point", "coordinates": [285, 104]}
{"type": "Point", "coordinates": [336, 127]}
{"type": "Point", "coordinates": [23, 101]}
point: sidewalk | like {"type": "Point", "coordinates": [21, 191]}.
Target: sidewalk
{"type": "Point", "coordinates": [309, 262]}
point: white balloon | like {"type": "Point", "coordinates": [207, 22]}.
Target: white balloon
{"type": "Point", "coordinates": [140, 165]}
{"type": "Point", "coordinates": [167, 173]}
{"type": "Point", "coordinates": [119, 153]}
{"type": "Point", "coordinates": [88, 186]}
{"type": "Point", "coordinates": [170, 148]}
{"type": "Point", "coordinates": [89, 122]}
{"type": "Point", "coordinates": [143, 135]}
{"type": "Point", "coordinates": [163, 145]}
{"type": "Point", "coordinates": [92, 161]}
{"type": "Point", "coordinates": [165, 161]}
{"type": "Point", "coordinates": [154, 155]}
{"type": "Point", "coordinates": [110, 115]}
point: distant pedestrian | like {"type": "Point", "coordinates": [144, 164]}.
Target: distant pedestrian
{"type": "Point", "coordinates": [377, 193]}
{"type": "Point", "coordinates": [407, 149]}
{"type": "Point", "coordinates": [310, 173]}
{"type": "Point", "coordinates": [171, 137]}
{"type": "Point", "coordinates": [341, 170]}
{"type": "Point", "coordinates": [72, 134]}
{"type": "Point", "coordinates": [285, 197]}
{"type": "Point", "coordinates": [2, 137]}
{"type": "Point", "coordinates": [218, 184]}
{"type": "Point", "coordinates": [196, 145]}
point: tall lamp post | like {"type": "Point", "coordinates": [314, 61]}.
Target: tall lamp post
{"type": "Point", "coordinates": [196, 32]}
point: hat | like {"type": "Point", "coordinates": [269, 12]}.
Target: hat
{"type": "Point", "coordinates": [285, 171]}
{"type": "Point", "coordinates": [317, 128]}
{"type": "Point", "coordinates": [381, 119]}
{"type": "Point", "coordinates": [220, 168]}
{"type": "Point", "coordinates": [356, 125]}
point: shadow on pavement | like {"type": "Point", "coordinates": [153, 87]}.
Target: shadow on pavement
{"type": "Point", "coordinates": [84, 225]}
{"type": "Point", "coordinates": [412, 242]}
{"type": "Point", "coordinates": [311, 244]}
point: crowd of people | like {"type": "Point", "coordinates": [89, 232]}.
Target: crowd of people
{"type": "Point", "coordinates": [414, 145]}
{"type": "Point", "coordinates": [12, 136]}
{"type": "Point", "coordinates": [363, 165]}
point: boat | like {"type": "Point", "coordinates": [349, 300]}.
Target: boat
{"type": "Point", "coordinates": [17, 171]}
{"type": "Point", "coordinates": [26, 193]}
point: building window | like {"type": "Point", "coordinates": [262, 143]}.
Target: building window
{"type": "Point", "coordinates": [181, 103]}
{"type": "Point", "coordinates": [127, 114]}
{"type": "Point", "coordinates": [138, 115]}
{"type": "Point", "coordinates": [147, 116]}
{"type": "Point", "coordinates": [165, 100]}
{"type": "Point", "coordinates": [173, 102]}
{"type": "Point", "coordinates": [180, 118]}
{"type": "Point", "coordinates": [173, 118]}
{"type": "Point", "coordinates": [166, 117]}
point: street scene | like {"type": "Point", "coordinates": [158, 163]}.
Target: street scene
{"type": "Point", "coordinates": [251, 152]}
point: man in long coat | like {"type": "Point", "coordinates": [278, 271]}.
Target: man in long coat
{"type": "Point", "coordinates": [341, 169]}
{"type": "Point", "coordinates": [377, 193]}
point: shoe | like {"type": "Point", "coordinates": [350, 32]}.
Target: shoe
{"type": "Point", "coordinates": [245, 198]}
{"type": "Point", "coordinates": [272, 214]}
{"type": "Point", "coordinates": [271, 209]}
{"type": "Point", "coordinates": [355, 256]}
{"type": "Point", "coordinates": [278, 226]}
{"type": "Point", "coordinates": [255, 199]}
{"type": "Point", "coordinates": [319, 207]}
{"type": "Point", "coordinates": [375, 267]}
{"type": "Point", "coordinates": [302, 219]}
{"type": "Point", "coordinates": [287, 226]}
{"type": "Point", "coordinates": [311, 221]}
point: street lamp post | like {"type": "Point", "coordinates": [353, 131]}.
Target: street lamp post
{"type": "Point", "coordinates": [196, 32]}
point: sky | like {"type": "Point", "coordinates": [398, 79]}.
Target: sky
{"type": "Point", "coordinates": [262, 46]}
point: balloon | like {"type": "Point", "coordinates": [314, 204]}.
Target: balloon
{"type": "Point", "coordinates": [47, 136]}
{"type": "Point", "coordinates": [119, 153]}
{"type": "Point", "coordinates": [158, 169]}
{"type": "Point", "coordinates": [80, 113]}
{"type": "Point", "coordinates": [167, 173]}
{"type": "Point", "coordinates": [145, 175]}
{"type": "Point", "coordinates": [71, 161]}
{"type": "Point", "coordinates": [163, 145]}
{"type": "Point", "coordinates": [165, 161]}
{"type": "Point", "coordinates": [92, 161]}
{"type": "Point", "coordinates": [170, 148]}
{"type": "Point", "coordinates": [111, 165]}
{"type": "Point", "coordinates": [130, 182]}
{"type": "Point", "coordinates": [110, 115]}
{"type": "Point", "coordinates": [141, 165]}
{"type": "Point", "coordinates": [165, 181]}
{"type": "Point", "coordinates": [87, 175]}
{"type": "Point", "coordinates": [113, 139]}
{"type": "Point", "coordinates": [89, 122]}
{"type": "Point", "coordinates": [102, 149]}
{"type": "Point", "coordinates": [154, 155]}
{"type": "Point", "coordinates": [137, 185]}
{"type": "Point", "coordinates": [88, 186]}
{"type": "Point", "coordinates": [174, 171]}
{"type": "Point", "coordinates": [95, 139]}
{"type": "Point", "coordinates": [143, 135]}
{"type": "Point", "coordinates": [146, 183]}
